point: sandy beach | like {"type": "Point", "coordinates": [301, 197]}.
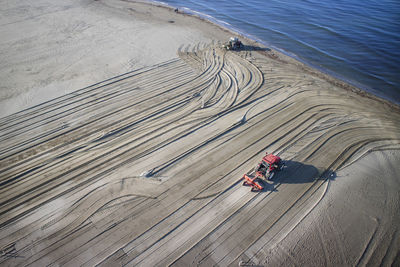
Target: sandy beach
{"type": "Point", "coordinates": [126, 128]}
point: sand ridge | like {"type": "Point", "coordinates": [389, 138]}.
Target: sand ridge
{"type": "Point", "coordinates": [144, 168]}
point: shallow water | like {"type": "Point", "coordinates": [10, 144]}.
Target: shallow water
{"type": "Point", "coordinates": [355, 40]}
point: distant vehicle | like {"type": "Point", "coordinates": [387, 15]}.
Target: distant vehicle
{"type": "Point", "coordinates": [265, 169]}
{"type": "Point", "coordinates": [233, 44]}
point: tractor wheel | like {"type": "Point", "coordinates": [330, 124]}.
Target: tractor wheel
{"type": "Point", "coordinates": [270, 175]}
{"type": "Point", "coordinates": [256, 168]}
{"type": "Point", "coordinates": [255, 189]}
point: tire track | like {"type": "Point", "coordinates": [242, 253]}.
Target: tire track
{"type": "Point", "coordinates": [181, 133]}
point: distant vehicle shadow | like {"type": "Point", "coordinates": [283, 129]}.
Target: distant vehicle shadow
{"type": "Point", "coordinates": [296, 172]}
{"type": "Point", "coordinates": [253, 48]}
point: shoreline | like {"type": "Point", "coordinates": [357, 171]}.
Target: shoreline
{"type": "Point", "coordinates": [144, 164]}
{"type": "Point", "coordinates": [360, 89]}
{"type": "Point", "coordinates": [319, 72]}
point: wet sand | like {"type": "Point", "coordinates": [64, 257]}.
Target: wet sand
{"type": "Point", "coordinates": [143, 166]}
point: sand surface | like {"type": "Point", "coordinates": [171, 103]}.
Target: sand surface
{"type": "Point", "coordinates": [143, 165]}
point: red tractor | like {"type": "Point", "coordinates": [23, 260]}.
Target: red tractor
{"type": "Point", "coordinates": [265, 169]}
{"type": "Point", "coordinates": [269, 165]}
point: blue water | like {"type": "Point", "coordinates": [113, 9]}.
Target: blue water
{"type": "Point", "coordinates": [355, 40]}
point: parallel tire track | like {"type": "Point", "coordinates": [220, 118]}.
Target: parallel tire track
{"type": "Point", "coordinates": [144, 168]}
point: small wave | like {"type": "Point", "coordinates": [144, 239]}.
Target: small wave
{"type": "Point", "coordinates": [204, 15]}
{"type": "Point", "coordinates": [318, 34]}
{"type": "Point", "coordinates": [192, 12]}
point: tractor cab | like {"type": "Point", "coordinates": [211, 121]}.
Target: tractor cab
{"type": "Point", "coordinates": [268, 165]}
{"type": "Point", "coordinates": [271, 161]}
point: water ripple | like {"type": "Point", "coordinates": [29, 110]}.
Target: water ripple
{"type": "Point", "coordinates": [335, 36]}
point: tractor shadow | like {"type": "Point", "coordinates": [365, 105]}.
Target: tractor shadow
{"type": "Point", "coordinates": [253, 48]}
{"type": "Point", "coordinates": [296, 172]}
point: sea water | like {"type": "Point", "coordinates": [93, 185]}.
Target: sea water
{"type": "Point", "coordinates": [355, 40]}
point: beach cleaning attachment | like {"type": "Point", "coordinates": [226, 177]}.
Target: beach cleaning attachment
{"type": "Point", "coordinates": [254, 181]}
